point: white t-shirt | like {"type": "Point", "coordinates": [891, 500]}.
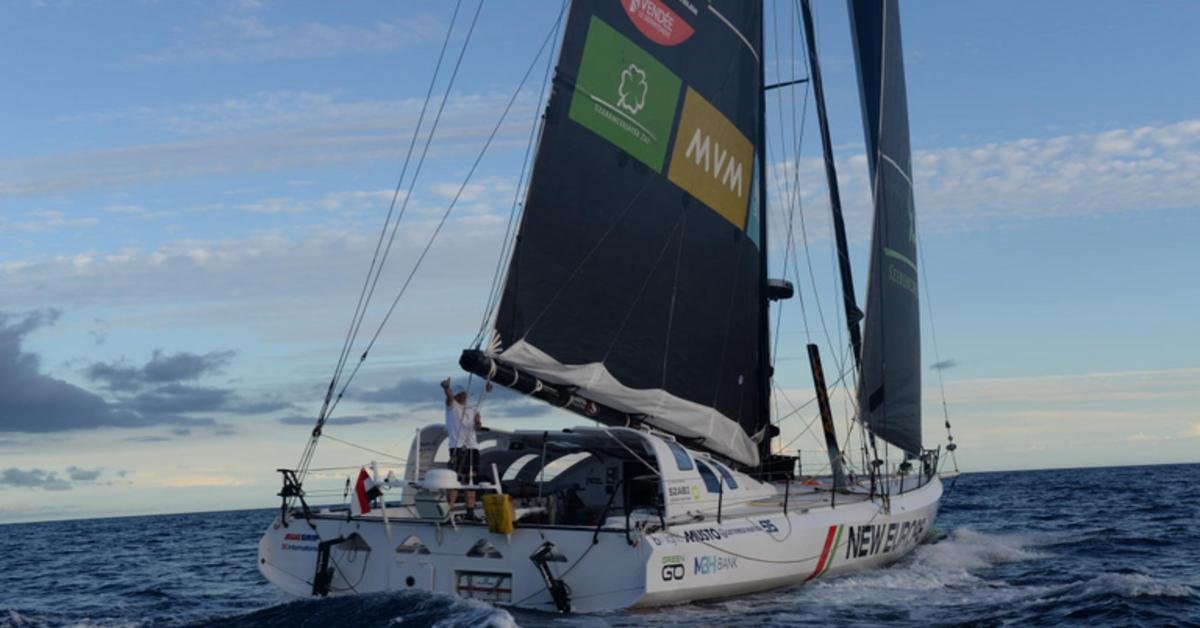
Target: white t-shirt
{"type": "Point", "coordinates": [460, 426]}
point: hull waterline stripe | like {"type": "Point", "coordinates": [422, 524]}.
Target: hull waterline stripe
{"type": "Point", "coordinates": [837, 542]}
{"type": "Point", "coordinates": [824, 553]}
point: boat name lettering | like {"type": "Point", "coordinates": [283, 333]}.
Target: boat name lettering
{"type": "Point", "coordinates": [705, 534]}
{"type": "Point", "coordinates": [869, 540]}
{"type": "Point", "coordinates": [767, 526]}
{"type": "Point", "coordinates": [292, 536]}
{"type": "Point", "coordinates": [298, 548]}
{"type": "Point", "coordinates": [704, 565]}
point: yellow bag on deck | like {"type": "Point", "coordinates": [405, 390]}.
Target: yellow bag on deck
{"type": "Point", "coordinates": [499, 511]}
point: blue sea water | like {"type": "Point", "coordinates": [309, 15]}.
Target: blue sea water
{"type": "Point", "coordinates": [1111, 546]}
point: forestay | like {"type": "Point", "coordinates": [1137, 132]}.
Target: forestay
{"type": "Point", "coordinates": [889, 393]}
{"type": "Point", "coordinates": [636, 274]}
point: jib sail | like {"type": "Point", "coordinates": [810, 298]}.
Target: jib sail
{"type": "Point", "coordinates": [889, 393]}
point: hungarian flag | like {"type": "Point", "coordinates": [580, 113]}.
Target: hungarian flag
{"type": "Point", "coordinates": [365, 490]}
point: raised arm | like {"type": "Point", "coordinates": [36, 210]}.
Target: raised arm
{"type": "Point", "coordinates": [446, 389]}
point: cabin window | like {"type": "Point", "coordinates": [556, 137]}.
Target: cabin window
{"type": "Point", "coordinates": [412, 545]}
{"type": "Point", "coordinates": [682, 459]}
{"type": "Point", "coordinates": [728, 477]}
{"type": "Point", "coordinates": [559, 465]}
{"type": "Point", "coordinates": [513, 469]}
{"type": "Point", "coordinates": [710, 479]}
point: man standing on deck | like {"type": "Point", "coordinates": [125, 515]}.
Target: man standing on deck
{"type": "Point", "coordinates": [461, 427]}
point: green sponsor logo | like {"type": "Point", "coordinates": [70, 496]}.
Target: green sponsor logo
{"type": "Point", "coordinates": [625, 95]}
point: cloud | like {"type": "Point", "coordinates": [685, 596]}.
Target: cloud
{"type": "Point", "coordinates": [405, 390]}
{"type": "Point", "coordinates": [161, 368]}
{"type": "Point", "coordinates": [33, 478]}
{"type": "Point", "coordinates": [147, 395]}
{"type": "Point", "coordinates": [1144, 168]}
{"type": "Point", "coordinates": [264, 132]}
{"type": "Point", "coordinates": [35, 402]}
{"type": "Point", "coordinates": [44, 220]}
{"type": "Point", "coordinates": [241, 38]}
{"type": "Point", "coordinates": [336, 420]}
{"type": "Point", "coordinates": [944, 365]}
{"type": "Point", "coordinates": [78, 474]}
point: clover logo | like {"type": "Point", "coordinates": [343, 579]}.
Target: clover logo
{"type": "Point", "coordinates": [632, 89]}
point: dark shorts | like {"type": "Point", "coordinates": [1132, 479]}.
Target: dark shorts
{"type": "Point", "coordinates": [465, 463]}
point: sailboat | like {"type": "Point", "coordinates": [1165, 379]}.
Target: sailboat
{"type": "Point", "coordinates": [637, 297]}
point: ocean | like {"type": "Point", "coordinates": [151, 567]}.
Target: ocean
{"type": "Point", "coordinates": [1102, 546]}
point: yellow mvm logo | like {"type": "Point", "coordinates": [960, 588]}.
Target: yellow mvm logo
{"type": "Point", "coordinates": [712, 160]}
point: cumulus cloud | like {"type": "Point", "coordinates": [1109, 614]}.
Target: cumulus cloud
{"type": "Point", "coordinates": [1144, 168]}
{"type": "Point", "coordinates": [162, 368]}
{"type": "Point", "coordinates": [78, 474]}
{"type": "Point", "coordinates": [33, 478]}
{"type": "Point", "coordinates": [146, 395]}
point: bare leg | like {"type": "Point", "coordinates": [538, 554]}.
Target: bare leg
{"type": "Point", "coordinates": [454, 498]}
{"type": "Point", "coordinates": [470, 501]}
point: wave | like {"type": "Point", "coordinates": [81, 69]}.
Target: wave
{"type": "Point", "coordinates": [396, 609]}
{"type": "Point", "coordinates": [1130, 585]}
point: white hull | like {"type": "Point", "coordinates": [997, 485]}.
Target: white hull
{"type": "Point", "coordinates": [755, 547]}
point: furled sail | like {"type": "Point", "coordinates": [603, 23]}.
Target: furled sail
{"type": "Point", "coordinates": [636, 276]}
{"type": "Point", "coordinates": [889, 394]}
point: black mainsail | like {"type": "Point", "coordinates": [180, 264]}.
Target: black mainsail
{"type": "Point", "coordinates": [889, 395]}
{"type": "Point", "coordinates": [636, 279]}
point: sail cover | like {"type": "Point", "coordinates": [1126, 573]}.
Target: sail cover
{"type": "Point", "coordinates": [635, 276]}
{"type": "Point", "coordinates": [889, 392]}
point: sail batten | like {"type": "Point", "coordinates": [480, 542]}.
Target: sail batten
{"type": "Point", "coordinates": [889, 393]}
{"type": "Point", "coordinates": [635, 278]}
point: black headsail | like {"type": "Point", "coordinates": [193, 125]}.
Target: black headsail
{"type": "Point", "coordinates": [889, 395]}
{"type": "Point", "coordinates": [636, 277]}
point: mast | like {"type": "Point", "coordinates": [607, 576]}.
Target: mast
{"type": "Point", "coordinates": [764, 318]}
{"type": "Point", "coordinates": [849, 301]}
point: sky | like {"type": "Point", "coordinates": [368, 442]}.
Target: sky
{"type": "Point", "coordinates": [190, 194]}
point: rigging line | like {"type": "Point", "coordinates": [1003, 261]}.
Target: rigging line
{"type": "Point", "coordinates": [441, 223]}
{"type": "Point", "coordinates": [328, 408]}
{"type": "Point", "coordinates": [804, 431]}
{"type": "Point", "coordinates": [937, 355]}
{"type": "Point", "coordinates": [420, 161]}
{"type": "Point", "coordinates": [633, 453]}
{"type": "Point", "coordinates": [522, 191]}
{"type": "Point", "coordinates": [357, 446]}
{"type": "Point", "coordinates": [671, 309]}
{"type": "Point", "coordinates": [805, 240]}
{"type": "Point", "coordinates": [798, 129]}
{"type": "Point", "coordinates": [787, 193]}
{"type": "Point", "coordinates": [797, 409]}
{"type": "Point", "coordinates": [797, 199]}
{"type": "Point", "coordinates": [360, 308]}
